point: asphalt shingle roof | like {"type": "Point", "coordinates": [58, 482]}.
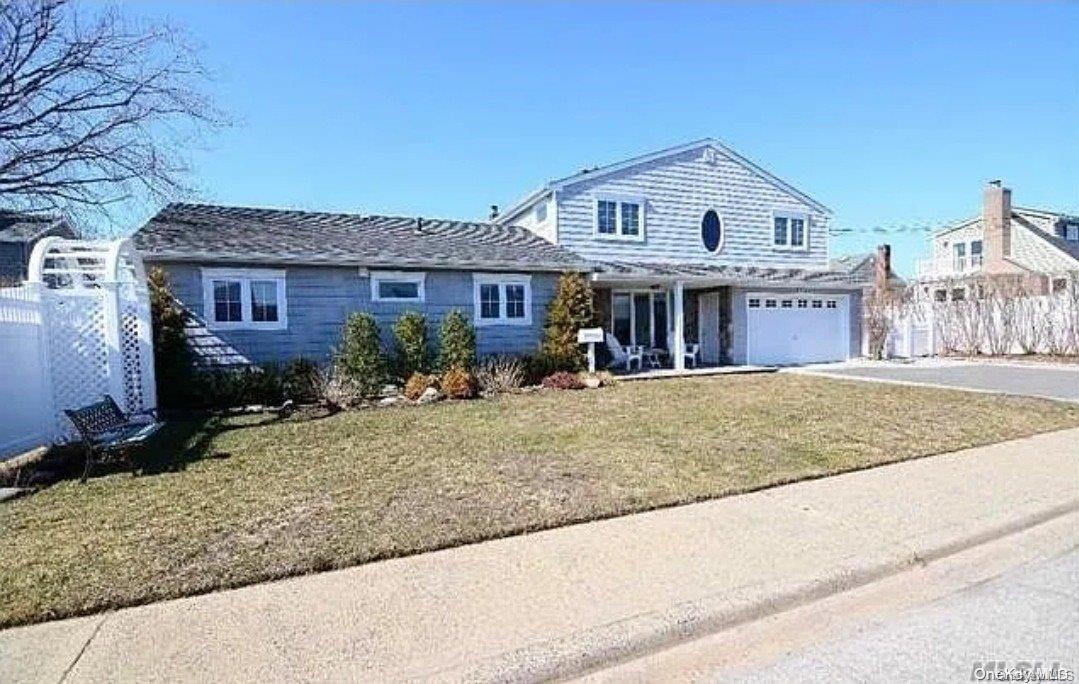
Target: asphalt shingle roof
{"type": "Point", "coordinates": [203, 232]}
{"type": "Point", "coordinates": [16, 227]}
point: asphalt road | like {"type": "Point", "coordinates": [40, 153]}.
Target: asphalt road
{"type": "Point", "coordinates": [1036, 381]}
{"type": "Point", "coordinates": [1028, 614]}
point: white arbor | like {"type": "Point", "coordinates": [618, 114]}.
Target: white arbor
{"type": "Point", "coordinates": [77, 329]}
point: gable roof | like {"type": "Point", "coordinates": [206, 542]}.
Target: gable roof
{"type": "Point", "coordinates": [19, 227]}
{"type": "Point", "coordinates": [1022, 215]}
{"type": "Point", "coordinates": [213, 233]}
{"type": "Point", "coordinates": [599, 172]}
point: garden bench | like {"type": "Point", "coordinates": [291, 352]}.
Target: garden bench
{"type": "Point", "coordinates": [106, 430]}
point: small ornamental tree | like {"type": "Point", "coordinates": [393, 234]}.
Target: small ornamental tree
{"type": "Point", "coordinates": [457, 342]}
{"type": "Point", "coordinates": [571, 309]}
{"type": "Point", "coordinates": [172, 358]}
{"type": "Point", "coordinates": [410, 339]}
{"type": "Point", "coordinates": [360, 355]}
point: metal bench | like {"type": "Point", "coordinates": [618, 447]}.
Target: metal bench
{"type": "Point", "coordinates": [107, 431]}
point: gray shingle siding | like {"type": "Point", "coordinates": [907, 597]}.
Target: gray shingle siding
{"type": "Point", "coordinates": [320, 298]}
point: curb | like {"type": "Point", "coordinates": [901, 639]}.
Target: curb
{"type": "Point", "coordinates": [640, 634]}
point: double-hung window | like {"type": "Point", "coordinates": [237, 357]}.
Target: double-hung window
{"type": "Point", "coordinates": [244, 298]}
{"type": "Point", "coordinates": [621, 218]}
{"type": "Point", "coordinates": [398, 286]}
{"type": "Point", "coordinates": [790, 230]}
{"type": "Point", "coordinates": [502, 299]}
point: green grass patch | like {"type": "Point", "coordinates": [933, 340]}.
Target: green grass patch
{"type": "Point", "coordinates": [224, 503]}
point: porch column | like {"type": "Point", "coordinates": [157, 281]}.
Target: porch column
{"type": "Point", "coordinates": [679, 350]}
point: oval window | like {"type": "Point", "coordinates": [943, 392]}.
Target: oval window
{"type": "Point", "coordinates": [711, 231]}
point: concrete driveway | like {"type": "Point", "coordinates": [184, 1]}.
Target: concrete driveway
{"type": "Point", "coordinates": [1045, 381]}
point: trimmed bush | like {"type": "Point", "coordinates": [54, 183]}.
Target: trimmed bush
{"type": "Point", "coordinates": [360, 355]}
{"type": "Point", "coordinates": [457, 342]}
{"type": "Point", "coordinates": [232, 387]}
{"type": "Point", "coordinates": [418, 383]}
{"type": "Point", "coordinates": [458, 383]}
{"type": "Point", "coordinates": [563, 380]}
{"type": "Point", "coordinates": [302, 379]}
{"type": "Point", "coordinates": [571, 309]}
{"type": "Point", "coordinates": [500, 374]}
{"type": "Point", "coordinates": [410, 339]}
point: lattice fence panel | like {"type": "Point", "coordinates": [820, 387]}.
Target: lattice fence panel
{"type": "Point", "coordinates": [78, 350]}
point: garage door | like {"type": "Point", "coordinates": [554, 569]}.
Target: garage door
{"type": "Point", "coordinates": [802, 328]}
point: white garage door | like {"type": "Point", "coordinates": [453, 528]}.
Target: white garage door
{"type": "Point", "coordinates": [797, 328]}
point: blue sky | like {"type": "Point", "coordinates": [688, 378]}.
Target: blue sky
{"type": "Point", "coordinates": [893, 115]}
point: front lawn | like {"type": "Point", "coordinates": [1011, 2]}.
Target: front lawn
{"type": "Point", "coordinates": [241, 503]}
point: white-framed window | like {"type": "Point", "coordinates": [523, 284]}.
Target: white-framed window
{"type": "Point", "coordinates": [398, 286]}
{"type": "Point", "coordinates": [790, 230]}
{"type": "Point", "coordinates": [1071, 232]}
{"type": "Point", "coordinates": [619, 218]}
{"type": "Point", "coordinates": [502, 299]}
{"type": "Point", "coordinates": [541, 212]}
{"type": "Point", "coordinates": [244, 299]}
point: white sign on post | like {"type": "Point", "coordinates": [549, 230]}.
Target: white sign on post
{"type": "Point", "coordinates": [590, 336]}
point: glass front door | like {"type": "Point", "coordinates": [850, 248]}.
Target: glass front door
{"type": "Point", "coordinates": [640, 318]}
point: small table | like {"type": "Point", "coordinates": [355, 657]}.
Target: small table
{"type": "Point", "coordinates": [655, 358]}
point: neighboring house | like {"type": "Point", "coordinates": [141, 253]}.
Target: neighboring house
{"type": "Point", "coordinates": [268, 285]}
{"type": "Point", "coordinates": [19, 233]}
{"type": "Point", "coordinates": [694, 245]}
{"type": "Point", "coordinates": [1038, 248]}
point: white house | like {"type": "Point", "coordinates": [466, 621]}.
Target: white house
{"type": "Point", "coordinates": [698, 249]}
{"type": "Point", "coordinates": [1038, 246]}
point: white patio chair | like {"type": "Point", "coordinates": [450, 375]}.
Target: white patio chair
{"type": "Point", "coordinates": [624, 355]}
{"type": "Point", "coordinates": [693, 355]}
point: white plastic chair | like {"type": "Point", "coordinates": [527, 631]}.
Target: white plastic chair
{"type": "Point", "coordinates": [693, 355]}
{"type": "Point", "coordinates": [624, 355]}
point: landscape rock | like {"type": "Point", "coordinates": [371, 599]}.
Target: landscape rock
{"type": "Point", "coordinates": [431, 394]}
{"type": "Point", "coordinates": [592, 382]}
{"type": "Point", "coordinates": [388, 401]}
{"type": "Point", "coordinates": [390, 391]}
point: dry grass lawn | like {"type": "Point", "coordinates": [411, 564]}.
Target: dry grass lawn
{"type": "Point", "coordinates": [228, 502]}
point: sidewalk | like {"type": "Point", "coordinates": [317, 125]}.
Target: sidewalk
{"type": "Point", "coordinates": [555, 602]}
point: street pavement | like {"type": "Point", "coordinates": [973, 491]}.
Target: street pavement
{"type": "Point", "coordinates": [1028, 615]}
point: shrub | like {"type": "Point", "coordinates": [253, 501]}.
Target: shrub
{"type": "Point", "coordinates": [563, 380]}
{"type": "Point", "coordinates": [457, 342]}
{"type": "Point", "coordinates": [571, 309]}
{"type": "Point", "coordinates": [500, 374]}
{"type": "Point", "coordinates": [301, 380]}
{"type": "Point", "coordinates": [231, 387]}
{"type": "Point", "coordinates": [360, 356]}
{"type": "Point", "coordinates": [173, 368]}
{"type": "Point", "coordinates": [418, 383]}
{"type": "Point", "coordinates": [410, 339]}
{"type": "Point", "coordinates": [458, 383]}
{"type": "Point", "coordinates": [337, 389]}
{"type": "Point", "coordinates": [536, 369]}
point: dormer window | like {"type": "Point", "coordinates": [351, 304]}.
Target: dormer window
{"type": "Point", "coordinates": [619, 218]}
{"type": "Point", "coordinates": [1071, 232]}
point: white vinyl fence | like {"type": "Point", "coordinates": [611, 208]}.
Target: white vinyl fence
{"type": "Point", "coordinates": [77, 329]}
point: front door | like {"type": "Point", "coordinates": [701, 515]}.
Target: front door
{"type": "Point", "coordinates": [640, 318]}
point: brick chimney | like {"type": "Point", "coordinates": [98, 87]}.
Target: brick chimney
{"type": "Point", "coordinates": [997, 224]}
{"type": "Point", "coordinates": [882, 267]}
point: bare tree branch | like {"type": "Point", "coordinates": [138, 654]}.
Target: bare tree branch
{"type": "Point", "coordinates": [94, 112]}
